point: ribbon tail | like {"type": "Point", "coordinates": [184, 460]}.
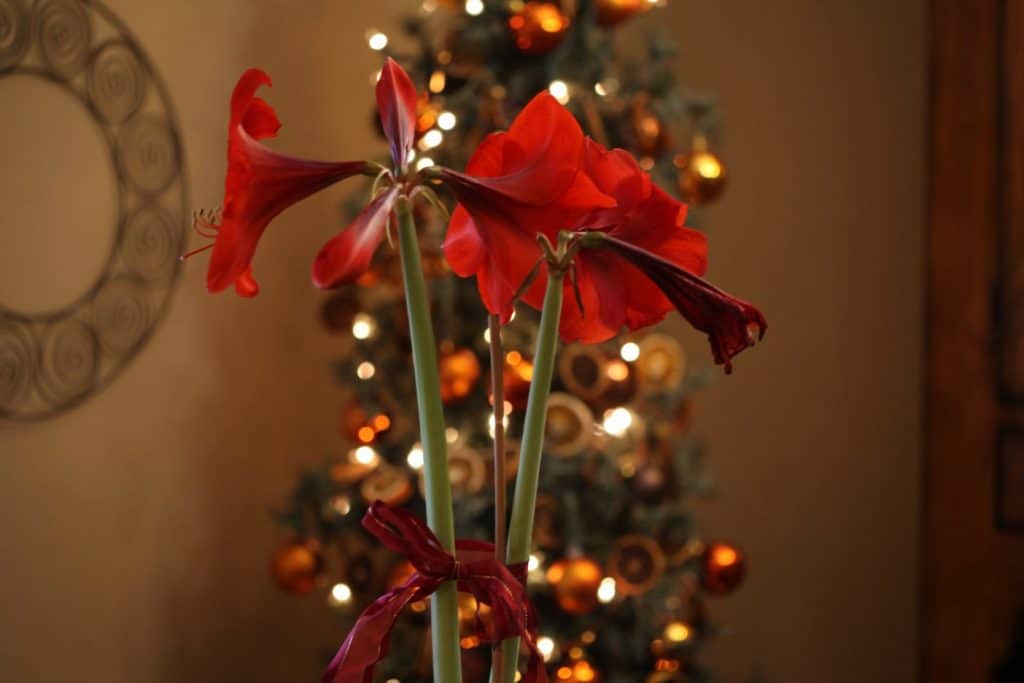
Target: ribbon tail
{"type": "Point", "coordinates": [367, 642]}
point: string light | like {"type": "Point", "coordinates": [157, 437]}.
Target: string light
{"type": "Point", "coordinates": [424, 162]}
{"type": "Point", "coordinates": [437, 81]}
{"type": "Point", "coordinates": [415, 457]}
{"type": "Point", "coordinates": [617, 421]}
{"type": "Point", "coordinates": [534, 563]}
{"type": "Point", "coordinates": [366, 370]}
{"type": "Point", "coordinates": [446, 120]}
{"type": "Point", "coordinates": [630, 351]}
{"type": "Point", "coordinates": [600, 89]}
{"type": "Point", "coordinates": [490, 424]}
{"type": "Point", "coordinates": [677, 632]}
{"type": "Point", "coordinates": [451, 434]}
{"type": "Point", "coordinates": [474, 7]}
{"type": "Point", "coordinates": [431, 139]}
{"type": "Point", "coordinates": [560, 91]}
{"type": "Point", "coordinates": [363, 326]}
{"type": "Point", "coordinates": [616, 370]}
{"type": "Point", "coordinates": [546, 647]}
{"type": "Point", "coordinates": [606, 590]}
{"type": "Point", "coordinates": [377, 40]}
{"type": "Point", "coordinates": [341, 594]}
{"type": "Point", "coordinates": [364, 455]}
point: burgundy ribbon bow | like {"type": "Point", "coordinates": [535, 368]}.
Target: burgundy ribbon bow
{"type": "Point", "coordinates": [474, 567]}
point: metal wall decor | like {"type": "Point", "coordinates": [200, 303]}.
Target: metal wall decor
{"type": "Point", "coordinates": [52, 361]}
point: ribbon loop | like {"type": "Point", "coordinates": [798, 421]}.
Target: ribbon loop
{"type": "Point", "coordinates": [500, 587]}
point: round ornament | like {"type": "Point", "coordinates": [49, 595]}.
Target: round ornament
{"type": "Point", "coordinates": [570, 425]}
{"type": "Point", "coordinates": [460, 371]}
{"type": "Point", "coordinates": [722, 568]}
{"type": "Point", "coordinates": [467, 472]}
{"type": "Point", "coordinates": [388, 484]}
{"type": "Point", "coordinates": [538, 27]}
{"type": "Point", "coordinates": [546, 529]}
{"type": "Point", "coordinates": [575, 581]}
{"type": "Point", "coordinates": [636, 564]}
{"type": "Point", "coordinates": [702, 176]}
{"type": "Point", "coordinates": [649, 132]}
{"type": "Point", "coordinates": [661, 365]}
{"type": "Point", "coordinates": [581, 367]}
{"type": "Point", "coordinates": [614, 12]}
{"type": "Point", "coordinates": [297, 565]}
{"type": "Point", "coordinates": [577, 671]}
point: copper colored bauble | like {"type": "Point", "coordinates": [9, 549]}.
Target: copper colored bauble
{"type": "Point", "coordinates": [702, 176]}
{"type": "Point", "coordinates": [516, 377]}
{"type": "Point", "coordinates": [546, 529]}
{"type": "Point", "coordinates": [387, 483]}
{"type": "Point", "coordinates": [297, 565]}
{"type": "Point", "coordinates": [426, 114]}
{"type": "Point", "coordinates": [636, 563]}
{"type": "Point", "coordinates": [539, 27]}
{"type": "Point", "coordinates": [649, 132]}
{"type": "Point", "coordinates": [614, 12]}
{"type": "Point", "coordinates": [661, 365]}
{"type": "Point", "coordinates": [575, 581]}
{"type": "Point", "coordinates": [578, 671]}
{"type": "Point", "coordinates": [581, 367]}
{"type": "Point", "coordinates": [722, 568]}
{"type": "Point", "coordinates": [460, 371]}
{"type": "Point", "coordinates": [570, 425]}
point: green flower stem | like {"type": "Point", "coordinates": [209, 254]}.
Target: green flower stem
{"type": "Point", "coordinates": [444, 614]}
{"type": "Point", "coordinates": [524, 500]}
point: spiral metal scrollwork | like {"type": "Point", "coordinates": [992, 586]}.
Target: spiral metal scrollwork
{"type": "Point", "coordinates": [52, 361]}
{"type": "Point", "coordinates": [15, 32]}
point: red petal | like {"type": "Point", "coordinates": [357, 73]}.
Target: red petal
{"type": "Point", "coordinates": [396, 101]}
{"type": "Point", "coordinates": [730, 323]}
{"type": "Point", "coordinates": [248, 83]}
{"type": "Point", "coordinates": [246, 285]}
{"type": "Point", "coordinates": [463, 246]}
{"type": "Point", "coordinates": [260, 120]}
{"type": "Point", "coordinates": [347, 255]}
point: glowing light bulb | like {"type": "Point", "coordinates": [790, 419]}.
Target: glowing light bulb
{"type": "Point", "coordinates": [677, 632]}
{"type": "Point", "coordinates": [600, 89]}
{"type": "Point", "coordinates": [431, 139]}
{"type": "Point", "coordinates": [617, 421]}
{"type": "Point", "coordinates": [364, 455]}
{"type": "Point", "coordinates": [363, 326]}
{"type": "Point", "coordinates": [474, 7]}
{"type": "Point", "coordinates": [451, 434]}
{"type": "Point", "coordinates": [341, 594]}
{"type": "Point", "coordinates": [560, 91]}
{"type": "Point", "coordinates": [490, 424]}
{"type": "Point", "coordinates": [424, 162]}
{"type": "Point", "coordinates": [366, 370]}
{"type": "Point", "coordinates": [377, 40]}
{"type": "Point", "coordinates": [446, 120]}
{"type": "Point", "coordinates": [606, 590]}
{"type": "Point", "coordinates": [630, 351]}
{"type": "Point", "coordinates": [487, 336]}
{"type": "Point", "coordinates": [415, 457]}
{"type": "Point", "coordinates": [534, 563]}
{"type": "Point", "coordinates": [546, 647]}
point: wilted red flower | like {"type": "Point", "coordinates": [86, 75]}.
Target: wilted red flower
{"type": "Point", "coordinates": [516, 185]}
{"type": "Point", "coordinates": [260, 184]}
{"type": "Point", "coordinates": [638, 262]}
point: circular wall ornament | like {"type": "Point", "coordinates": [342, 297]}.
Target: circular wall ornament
{"type": "Point", "coordinates": [52, 361]}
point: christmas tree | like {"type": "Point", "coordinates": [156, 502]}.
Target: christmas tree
{"type": "Point", "coordinates": [620, 574]}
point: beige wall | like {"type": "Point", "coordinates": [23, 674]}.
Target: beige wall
{"type": "Point", "coordinates": [134, 531]}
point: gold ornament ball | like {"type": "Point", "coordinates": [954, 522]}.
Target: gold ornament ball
{"type": "Point", "coordinates": [614, 12]}
{"type": "Point", "coordinates": [539, 27]}
{"type": "Point", "coordinates": [297, 565]}
{"type": "Point", "coordinates": [579, 671]}
{"type": "Point", "coordinates": [702, 177]}
{"type": "Point", "coordinates": [575, 582]}
{"type": "Point", "coordinates": [652, 136]}
{"type": "Point", "coordinates": [722, 568]}
{"type": "Point", "coordinates": [460, 370]}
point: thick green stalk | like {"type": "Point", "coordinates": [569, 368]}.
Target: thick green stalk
{"type": "Point", "coordinates": [524, 500]}
{"type": "Point", "coordinates": [444, 614]}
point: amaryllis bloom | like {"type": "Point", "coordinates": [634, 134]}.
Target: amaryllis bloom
{"type": "Point", "coordinates": [516, 185]}
{"type": "Point", "coordinates": [638, 262]}
{"type": "Point", "coordinates": [260, 184]}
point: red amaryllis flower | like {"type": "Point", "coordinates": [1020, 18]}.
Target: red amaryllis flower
{"type": "Point", "coordinates": [260, 184]}
{"type": "Point", "coordinates": [516, 185]}
{"type": "Point", "coordinates": [638, 262]}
